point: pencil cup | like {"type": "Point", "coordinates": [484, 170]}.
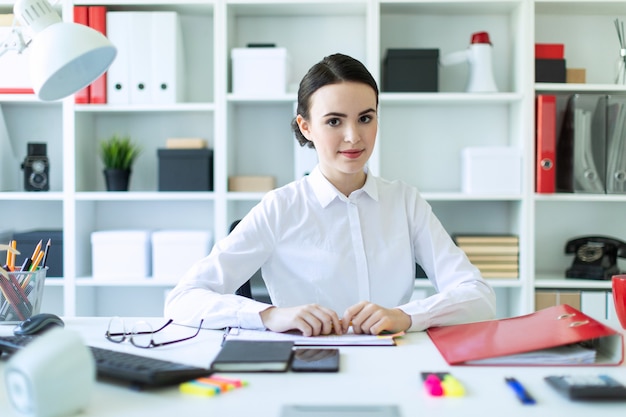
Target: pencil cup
{"type": "Point", "coordinates": [21, 295]}
{"type": "Point", "coordinates": [619, 297]}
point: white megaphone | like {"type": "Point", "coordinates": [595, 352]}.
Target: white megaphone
{"type": "Point", "coordinates": [479, 57]}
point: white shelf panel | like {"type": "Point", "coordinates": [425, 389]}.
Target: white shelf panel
{"type": "Point", "coordinates": [573, 88]}
{"type": "Point", "coordinates": [459, 196]}
{"type": "Point", "coordinates": [146, 196]}
{"type": "Point", "coordinates": [580, 198]}
{"type": "Point", "coordinates": [449, 98]}
{"type": "Point", "coordinates": [283, 98]}
{"type": "Point", "coordinates": [147, 282]}
{"type": "Point", "coordinates": [144, 108]}
{"type": "Point", "coordinates": [20, 98]}
{"type": "Point", "coordinates": [555, 280]}
{"type": "Point", "coordinates": [32, 196]}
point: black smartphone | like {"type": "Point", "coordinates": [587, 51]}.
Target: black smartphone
{"type": "Point", "coordinates": [315, 360]}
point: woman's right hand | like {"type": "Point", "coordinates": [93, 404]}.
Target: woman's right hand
{"type": "Point", "coordinates": [310, 319]}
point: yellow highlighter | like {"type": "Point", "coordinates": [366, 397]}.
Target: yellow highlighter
{"type": "Point", "coordinates": [199, 388]}
{"type": "Point", "coordinates": [452, 387]}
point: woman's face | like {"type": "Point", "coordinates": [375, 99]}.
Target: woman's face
{"type": "Point", "coordinates": [342, 124]}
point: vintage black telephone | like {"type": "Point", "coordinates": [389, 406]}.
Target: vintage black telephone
{"type": "Point", "coordinates": [595, 257]}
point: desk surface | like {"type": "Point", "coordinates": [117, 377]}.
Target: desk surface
{"type": "Point", "coordinates": [369, 375]}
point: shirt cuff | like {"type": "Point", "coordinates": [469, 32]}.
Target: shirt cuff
{"type": "Point", "coordinates": [249, 316]}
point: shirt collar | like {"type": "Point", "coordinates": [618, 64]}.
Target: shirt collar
{"type": "Point", "coordinates": [326, 192]}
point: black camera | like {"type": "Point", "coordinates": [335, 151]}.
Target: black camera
{"type": "Point", "coordinates": [36, 168]}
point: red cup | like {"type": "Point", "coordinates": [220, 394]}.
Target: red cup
{"type": "Point", "coordinates": [619, 297]}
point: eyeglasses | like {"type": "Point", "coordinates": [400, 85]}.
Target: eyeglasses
{"type": "Point", "coordinates": [140, 334]}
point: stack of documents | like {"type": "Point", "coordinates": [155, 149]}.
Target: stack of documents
{"type": "Point", "coordinates": [348, 339]}
{"type": "Point", "coordinates": [496, 256]}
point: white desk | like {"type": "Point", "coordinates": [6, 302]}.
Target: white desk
{"type": "Point", "coordinates": [369, 375]}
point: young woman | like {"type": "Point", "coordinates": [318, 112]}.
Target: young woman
{"type": "Point", "coordinates": [338, 247]}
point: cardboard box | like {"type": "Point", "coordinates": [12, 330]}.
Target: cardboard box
{"type": "Point", "coordinates": [492, 170]}
{"type": "Point", "coordinates": [174, 251]}
{"type": "Point", "coordinates": [120, 254]}
{"type": "Point", "coordinates": [407, 70]}
{"type": "Point", "coordinates": [27, 241]}
{"type": "Point", "coordinates": [251, 183]}
{"type": "Point", "coordinates": [576, 75]}
{"type": "Point", "coordinates": [260, 71]}
{"type": "Point", "coordinates": [185, 169]}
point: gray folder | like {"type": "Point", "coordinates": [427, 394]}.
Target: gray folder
{"type": "Point", "coordinates": [581, 146]}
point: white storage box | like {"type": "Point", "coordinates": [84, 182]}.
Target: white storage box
{"type": "Point", "coordinates": [120, 254]}
{"type": "Point", "coordinates": [492, 170]}
{"type": "Point", "coordinates": [174, 251]}
{"type": "Point", "coordinates": [260, 71]}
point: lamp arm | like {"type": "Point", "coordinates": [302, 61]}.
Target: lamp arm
{"type": "Point", "coordinates": [14, 42]}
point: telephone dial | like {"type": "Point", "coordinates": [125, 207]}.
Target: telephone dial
{"type": "Point", "coordinates": [595, 257]}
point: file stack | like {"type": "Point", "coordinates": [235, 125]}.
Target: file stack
{"type": "Point", "coordinates": [149, 66]}
{"type": "Point", "coordinates": [496, 256]}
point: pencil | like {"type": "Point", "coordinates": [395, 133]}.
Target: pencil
{"type": "Point", "coordinates": [11, 255]}
{"type": "Point", "coordinates": [45, 253]}
{"type": "Point", "coordinates": [36, 262]}
{"type": "Point", "coordinates": [36, 251]}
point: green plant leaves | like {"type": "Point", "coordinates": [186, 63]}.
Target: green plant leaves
{"type": "Point", "coordinates": [119, 152]}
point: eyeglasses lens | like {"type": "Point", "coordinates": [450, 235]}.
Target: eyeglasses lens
{"type": "Point", "coordinates": [141, 334]}
{"type": "Point", "coordinates": [116, 330]}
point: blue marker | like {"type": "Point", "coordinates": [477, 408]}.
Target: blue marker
{"type": "Point", "coordinates": [520, 391]}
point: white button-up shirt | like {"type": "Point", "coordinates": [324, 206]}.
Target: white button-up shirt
{"type": "Point", "coordinates": [315, 245]}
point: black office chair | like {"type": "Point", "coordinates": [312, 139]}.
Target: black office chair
{"type": "Point", "coordinates": [246, 289]}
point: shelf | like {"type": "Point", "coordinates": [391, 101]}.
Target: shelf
{"type": "Point", "coordinates": [145, 196]}
{"type": "Point", "coordinates": [580, 198]}
{"type": "Point", "coordinates": [31, 196]}
{"type": "Point", "coordinates": [583, 88]}
{"type": "Point", "coordinates": [144, 108]}
{"type": "Point", "coordinates": [449, 98]}
{"type": "Point", "coordinates": [459, 196]}
{"type": "Point", "coordinates": [147, 282]}
{"type": "Point", "coordinates": [554, 281]}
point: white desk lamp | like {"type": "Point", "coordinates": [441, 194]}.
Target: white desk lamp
{"type": "Point", "coordinates": [64, 57]}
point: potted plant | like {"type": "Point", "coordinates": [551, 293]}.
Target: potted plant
{"type": "Point", "coordinates": [118, 154]}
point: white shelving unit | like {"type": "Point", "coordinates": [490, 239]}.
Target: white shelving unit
{"type": "Point", "coordinates": [420, 138]}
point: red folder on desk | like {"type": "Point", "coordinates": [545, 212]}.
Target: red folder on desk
{"type": "Point", "coordinates": [559, 335]}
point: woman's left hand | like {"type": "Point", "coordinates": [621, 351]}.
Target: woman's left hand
{"type": "Point", "coordinates": [370, 318]}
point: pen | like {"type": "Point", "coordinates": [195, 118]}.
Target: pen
{"type": "Point", "coordinates": [520, 391]}
{"type": "Point", "coordinates": [225, 334]}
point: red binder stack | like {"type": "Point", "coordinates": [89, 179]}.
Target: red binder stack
{"type": "Point", "coordinates": [94, 17]}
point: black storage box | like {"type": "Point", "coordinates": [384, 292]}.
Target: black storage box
{"type": "Point", "coordinates": [411, 70]}
{"type": "Point", "coordinates": [27, 241]}
{"type": "Point", "coordinates": [185, 169]}
{"type": "Point", "coordinates": [550, 71]}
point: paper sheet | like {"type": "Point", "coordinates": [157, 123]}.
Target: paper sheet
{"type": "Point", "coordinates": [348, 339]}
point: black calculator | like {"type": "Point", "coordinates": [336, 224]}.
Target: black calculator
{"type": "Point", "coordinates": [588, 387]}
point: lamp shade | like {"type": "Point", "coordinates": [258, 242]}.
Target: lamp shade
{"type": "Point", "coordinates": [64, 57]}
